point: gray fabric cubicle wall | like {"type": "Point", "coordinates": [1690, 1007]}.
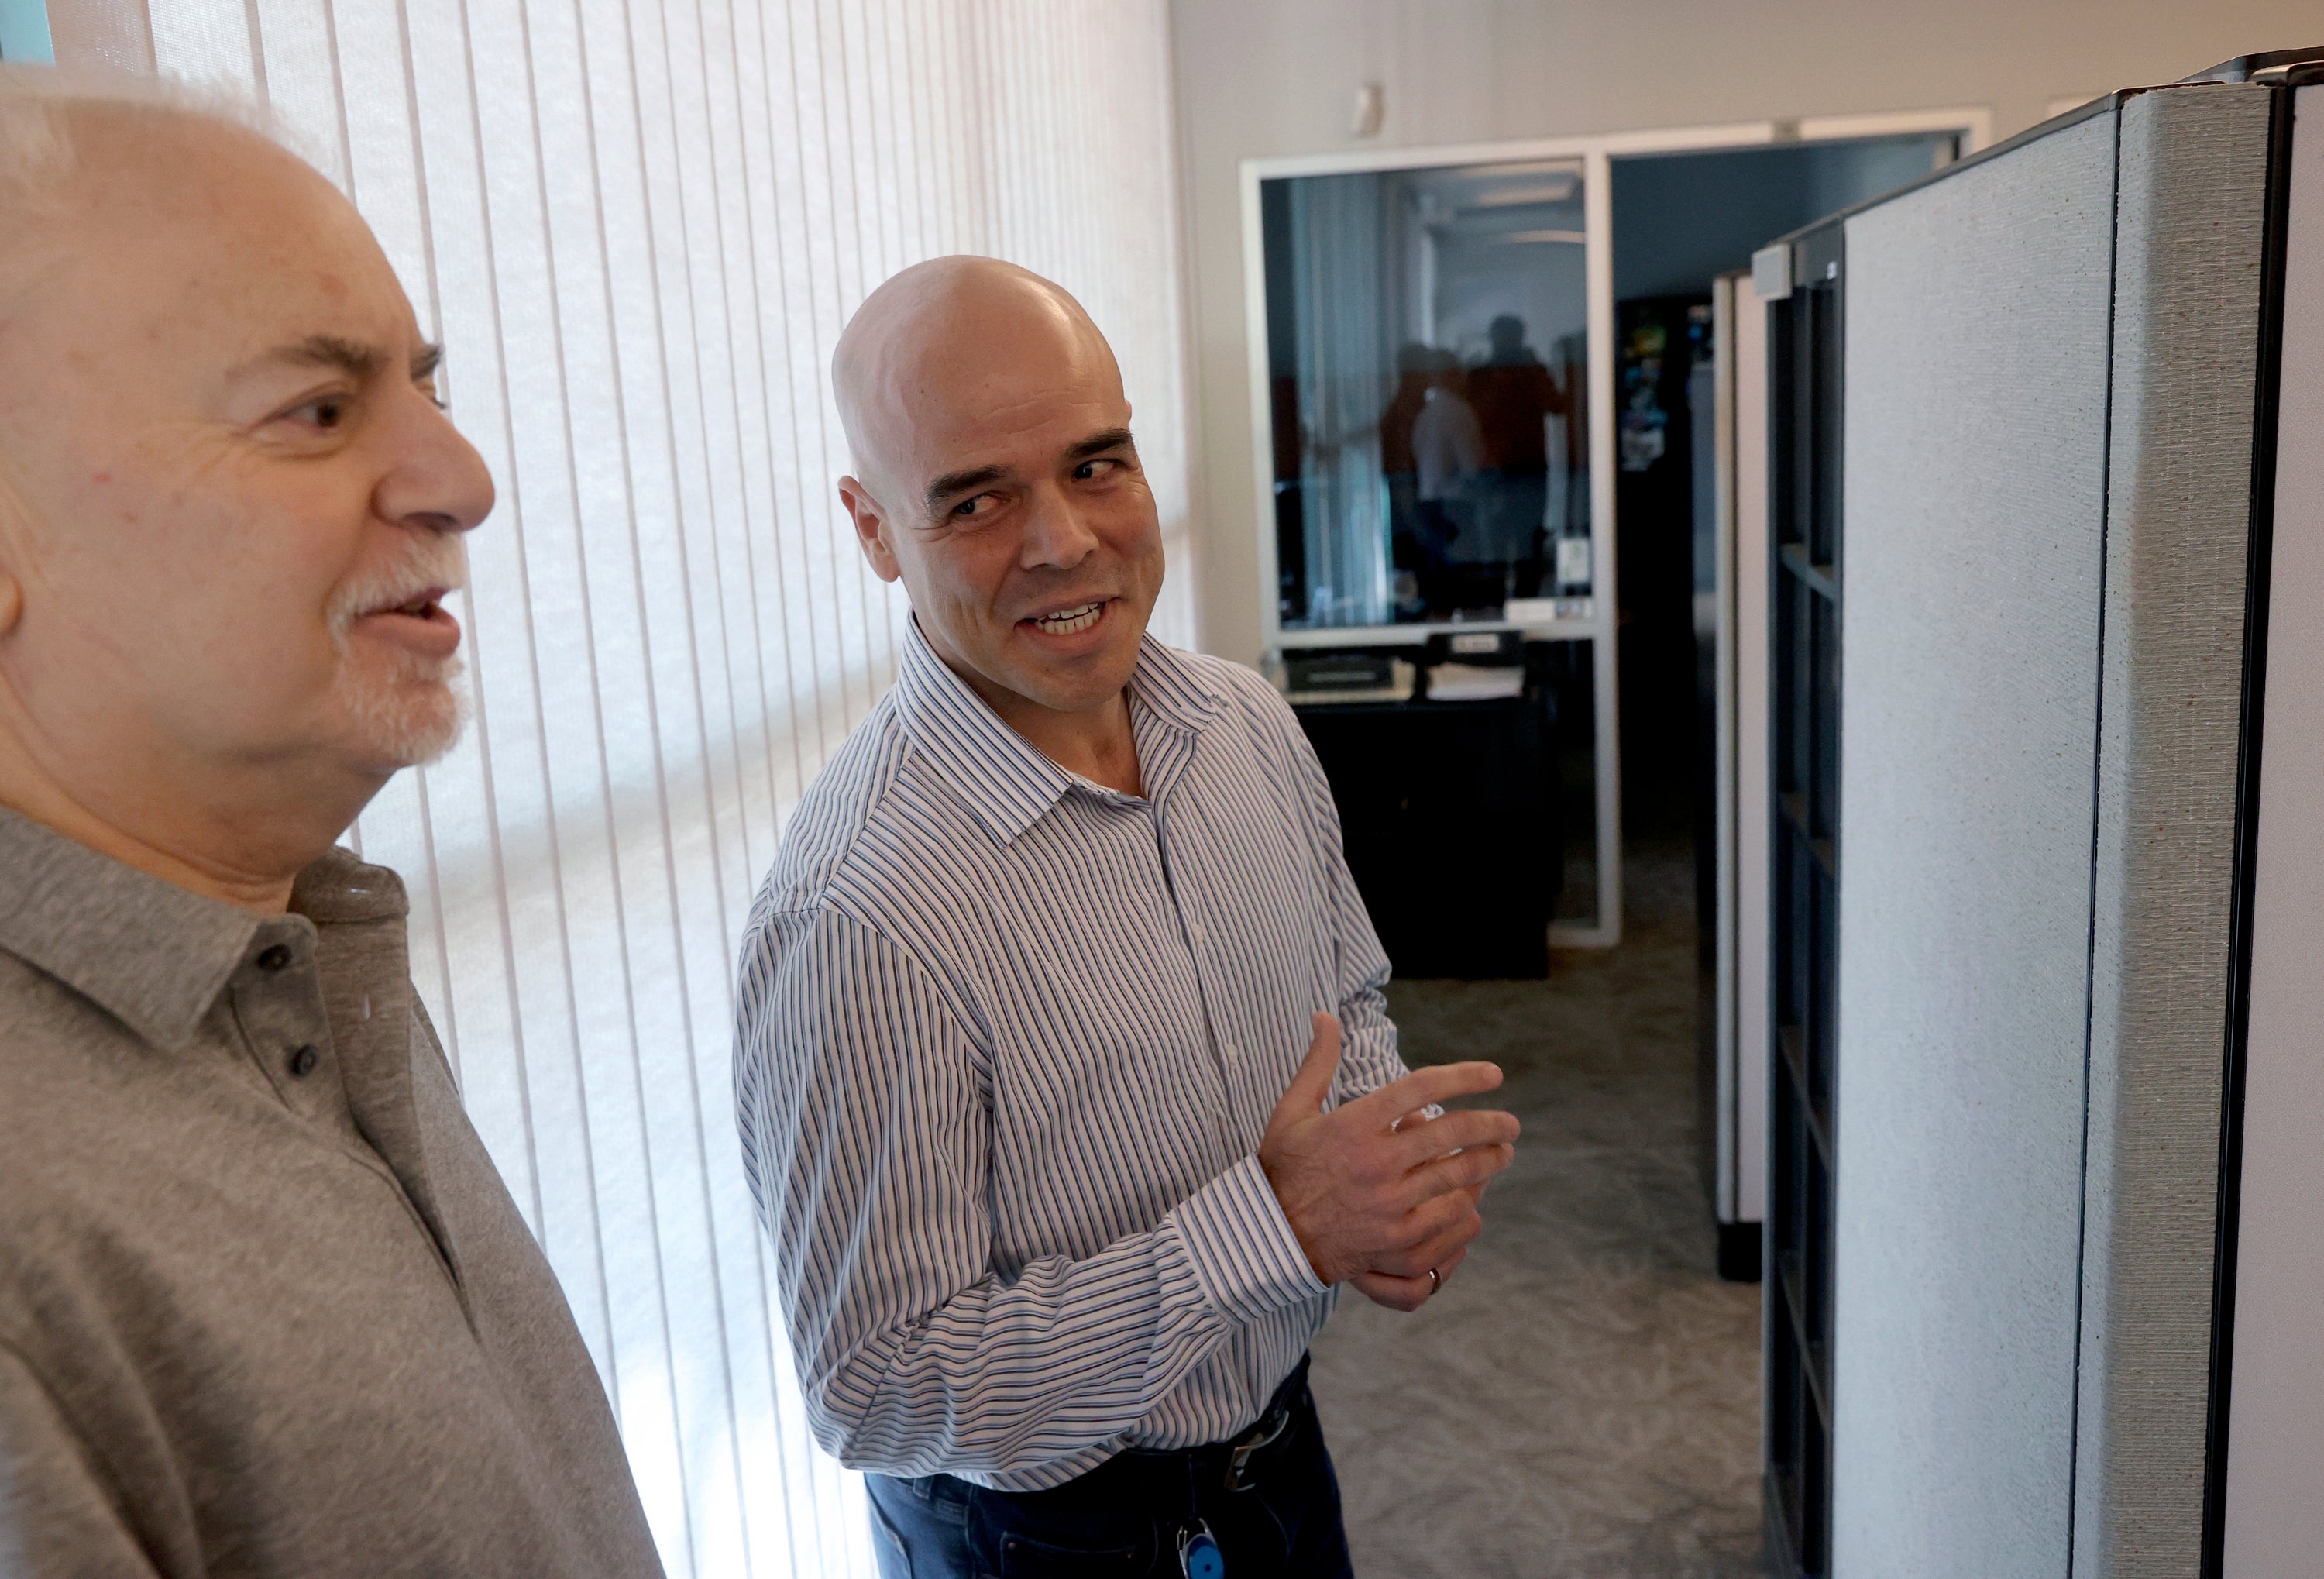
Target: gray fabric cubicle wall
{"type": "Point", "coordinates": [2187, 362]}
{"type": "Point", "coordinates": [2050, 388]}
{"type": "Point", "coordinates": [1976, 319]}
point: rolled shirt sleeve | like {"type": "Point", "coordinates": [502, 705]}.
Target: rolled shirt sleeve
{"type": "Point", "coordinates": [867, 1138]}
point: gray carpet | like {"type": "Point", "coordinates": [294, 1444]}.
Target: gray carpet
{"type": "Point", "coordinates": [1583, 1399]}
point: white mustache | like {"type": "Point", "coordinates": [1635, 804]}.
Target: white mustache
{"type": "Point", "coordinates": [430, 562]}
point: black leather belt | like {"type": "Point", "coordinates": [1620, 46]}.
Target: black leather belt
{"type": "Point", "coordinates": [1162, 1477]}
{"type": "Point", "coordinates": [1236, 1464]}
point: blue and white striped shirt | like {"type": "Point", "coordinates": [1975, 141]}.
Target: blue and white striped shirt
{"type": "Point", "coordinates": [1007, 1043]}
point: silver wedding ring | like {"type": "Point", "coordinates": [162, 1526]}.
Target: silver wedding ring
{"type": "Point", "coordinates": [1434, 1282]}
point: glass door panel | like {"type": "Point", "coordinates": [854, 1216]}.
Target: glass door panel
{"type": "Point", "coordinates": [1427, 361]}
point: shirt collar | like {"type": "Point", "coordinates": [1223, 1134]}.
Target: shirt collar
{"type": "Point", "coordinates": [151, 954]}
{"type": "Point", "coordinates": [1005, 781]}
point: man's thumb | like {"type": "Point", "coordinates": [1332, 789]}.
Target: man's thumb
{"type": "Point", "coordinates": [1308, 1088]}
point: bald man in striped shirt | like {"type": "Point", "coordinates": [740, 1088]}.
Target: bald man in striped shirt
{"type": "Point", "coordinates": [1066, 1086]}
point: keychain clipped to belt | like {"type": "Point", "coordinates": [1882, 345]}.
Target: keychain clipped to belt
{"type": "Point", "coordinates": [1199, 1556]}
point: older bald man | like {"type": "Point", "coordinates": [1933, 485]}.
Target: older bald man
{"type": "Point", "coordinates": [265, 1307]}
{"type": "Point", "coordinates": [1058, 1203]}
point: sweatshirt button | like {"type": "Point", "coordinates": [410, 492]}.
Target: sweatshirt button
{"type": "Point", "coordinates": [302, 1062]}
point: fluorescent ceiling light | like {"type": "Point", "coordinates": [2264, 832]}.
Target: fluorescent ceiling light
{"type": "Point", "coordinates": [1511, 196]}
{"type": "Point", "coordinates": [1573, 238]}
{"type": "Point", "coordinates": [1565, 167]}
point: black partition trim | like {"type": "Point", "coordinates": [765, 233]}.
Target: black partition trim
{"type": "Point", "coordinates": [1805, 370]}
{"type": "Point", "coordinates": [2266, 405]}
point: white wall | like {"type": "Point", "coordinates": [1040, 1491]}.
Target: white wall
{"type": "Point", "coordinates": [1266, 76]}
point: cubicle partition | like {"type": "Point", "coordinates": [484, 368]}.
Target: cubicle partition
{"type": "Point", "coordinates": [1739, 1032]}
{"type": "Point", "coordinates": [2052, 472]}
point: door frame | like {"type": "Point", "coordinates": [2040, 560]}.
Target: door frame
{"type": "Point", "coordinates": [1596, 152]}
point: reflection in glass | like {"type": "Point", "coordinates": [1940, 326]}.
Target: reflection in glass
{"type": "Point", "coordinates": [1426, 332]}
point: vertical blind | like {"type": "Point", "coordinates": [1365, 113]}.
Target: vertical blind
{"type": "Point", "coordinates": [638, 227]}
{"type": "Point", "coordinates": [1340, 264]}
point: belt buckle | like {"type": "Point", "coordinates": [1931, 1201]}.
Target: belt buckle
{"type": "Point", "coordinates": [1270, 1426]}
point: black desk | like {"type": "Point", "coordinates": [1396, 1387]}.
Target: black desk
{"type": "Point", "coordinates": [1450, 810]}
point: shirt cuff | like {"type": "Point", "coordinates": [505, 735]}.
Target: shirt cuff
{"type": "Point", "coordinates": [1241, 1245]}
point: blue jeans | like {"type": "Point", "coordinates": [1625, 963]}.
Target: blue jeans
{"type": "Point", "coordinates": [1126, 1517]}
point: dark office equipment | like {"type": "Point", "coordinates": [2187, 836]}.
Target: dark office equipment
{"type": "Point", "coordinates": [1339, 671]}
{"type": "Point", "coordinates": [1450, 814]}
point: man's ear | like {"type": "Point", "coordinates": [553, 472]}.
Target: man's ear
{"type": "Point", "coordinates": [871, 528]}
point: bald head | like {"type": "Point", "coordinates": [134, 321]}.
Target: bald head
{"type": "Point", "coordinates": [995, 477]}
{"type": "Point", "coordinates": [68, 138]}
{"type": "Point", "coordinates": [124, 197]}
{"type": "Point", "coordinates": [921, 348]}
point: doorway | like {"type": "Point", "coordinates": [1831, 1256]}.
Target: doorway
{"type": "Point", "coordinates": [1494, 393]}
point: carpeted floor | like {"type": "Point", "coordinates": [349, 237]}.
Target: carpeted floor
{"type": "Point", "coordinates": [1583, 1399]}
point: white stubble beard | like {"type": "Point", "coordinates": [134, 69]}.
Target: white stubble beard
{"type": "Point", "coordinates": [413, 714]}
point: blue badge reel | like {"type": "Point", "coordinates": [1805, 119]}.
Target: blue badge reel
{"type": "Point", "coordinates": [1199, 1556]}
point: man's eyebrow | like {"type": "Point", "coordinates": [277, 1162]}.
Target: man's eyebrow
{"type": "Point", "coordinates": [350, 356]}
{"type": "Point", "coordinates": [353, 357]}
{"type": "Point", "coordinates": [1099, 443]}
{"type": "Point", "coordinates": [953, 483]}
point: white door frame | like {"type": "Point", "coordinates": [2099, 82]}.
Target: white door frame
{"type": "Point", "coordinates": [1596, 153]}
